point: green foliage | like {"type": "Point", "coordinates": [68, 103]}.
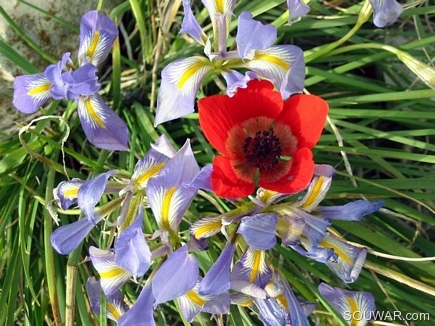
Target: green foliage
{"type": "Point", "coordinates": [380, 138]}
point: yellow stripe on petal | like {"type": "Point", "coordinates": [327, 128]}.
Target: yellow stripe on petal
{"type": "Point", "coordinates": [149, 173]}
{"type": "Point", "coordinates": [71, 193]}
{"type": "Point", "coordinates": [220, 6]}
{"type": "Point", "coordinates": [189, 73]}
{"type": "Point", "coordinates": [355, 311]}
{"type": "Point", "coordinates": [272, 59]}
{"type": "Point", "coordinates": [112, 273]}
{"type": "Point", "coordinates": [314, 192]}
{"type": "Point", "coordinates": [93, 113]}
{"type": "Point", "coordinates": [282, 301]}
{"type": "Point", "coordinates": [206, 227]}
{"type": "Point", "coordinates": [112, 309]}
{"type": "Point", "coordinates": [38, 90]}
{"type": "Point", "coordinates": [195, 298]}
{"type": "Point", "coordinates": [257, 261]}
{"type": "Point", "coordinates": [94, 43]}
{"type": "Point", "coordinates": [166, 207]}
{"type": "Point", "coordinates": [341, 254]}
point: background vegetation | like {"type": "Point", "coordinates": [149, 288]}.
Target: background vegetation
{"type": "Point", "coordinates": [380, 137]}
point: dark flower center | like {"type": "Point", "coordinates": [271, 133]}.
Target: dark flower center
{"type": "Point", "coordinates": [263, 150]}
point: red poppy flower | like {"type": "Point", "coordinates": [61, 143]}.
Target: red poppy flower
{"type": "Point", "coordinates": [262, 139]}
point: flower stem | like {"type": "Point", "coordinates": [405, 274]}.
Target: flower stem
{"type": "Point", "coordinates": [320, 51]}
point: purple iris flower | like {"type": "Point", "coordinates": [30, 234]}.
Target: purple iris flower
{"type": "Point", "coordinates": [114, 303]}
{"type": "Point", "coordinates": [357, 308]}
{"type": "Point", "coordinates": [102, 126]}
{"type": "Point", "coordinates": [385, 11]}
{"type": "Point", "coordinates": [282, 64]}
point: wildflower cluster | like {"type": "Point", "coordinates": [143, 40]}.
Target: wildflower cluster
{"type": "Point", "coordinates": [264, 129]}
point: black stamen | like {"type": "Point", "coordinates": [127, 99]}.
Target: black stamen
{"type": "Point", "coordinates": [263, 150]}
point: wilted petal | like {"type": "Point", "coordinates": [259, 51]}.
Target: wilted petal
{"type": "Point", "coordinates": [385, 11]}
{"type": "Point", "coordinates": [90, 194]}
{"type": "Point", "coordinates": [112, 277]}
{"type": "Point", "coordinates": [252, 268]}
{"type": "Point", "coordinates": [253, 35]}
{"type": "Point", "coordinates": [177, 275]}
{"type": "Point", "coordinates": [97, 34]}
{"type": "Point", "coordinates": [181, 80]}
{"type": "Point", "coordinates": [237, 80]}
{"type": "Point", "coordinates": [355, 307]}
{"type": "Point", "coordinates": [31, 92]}
{"type": "Point", "coordinates": [352, 211]}
{"type": "Point", "coordinates": [425, 72]}
{"type": "Point", "coordinates": [283, 65]}
{"type": "Point", "coordinates": [350, 259]}
{"type": "Point", "coordinates": [131, 250]}
{"type": "Point", "coordinates": [141, 314]}
{"type": "Point", "coordinates": [68, 237]}
{"type": "Point", "coordinates": [317, 189]}
{"type": "Point", "coordinates": [217, 279]}
{"type": "Point", "coordinates": [297, 8]}
{"type": "Point", "coordinates": [206, 227]}
{"type": "Point", "coordinates": [259, 230]}
{"type": "Point", "coordinates": [190, 24]}
{"type": "Point", "coordinates": [66, 193]}
{"type": "Point", "coordinates": [102, 126]}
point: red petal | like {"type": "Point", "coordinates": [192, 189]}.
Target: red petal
{"type": "Point", "coordinates": [225, 182]}
{"type": "Point", "coordinates": [306, 116]}
{"type": "Point", "coordinates": [219, 113]}
{"type": "Point", "coordinates": [299, 176]}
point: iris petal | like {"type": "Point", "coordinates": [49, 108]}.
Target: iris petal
{"type": "Point", "coordinates": [359, 305]}
{"type": "Point", "coordinates": [259, 230]}
{"type": "Point", "coordinates": [217, 279]}
{"type": "Point", "coordinates": [181, 80]}
{"type": "Point", "coordinates": [141, 314]}
{"type": "Point", "coordinates": [31, 92]}
{"type": "Point", "coordinates": [350, 259]}
{"type": "Point", "coordinates": [131, 250]}
{"type": "Point", "coordinates": [90, 194]}
{"type": "Point", "coordinates": [66, 192]}
{"type": "Point", "coordinates": [112, 277]}
{"type": "Point", "coordinates": [297, 9]}
{"type": "Point", "coordinates": [283, 65]}
{"type": "Point", "coordinates": [68, 237]}
{"type": "Point", "coordinates": [190, 24]}
{"type": "Point", "coordinates": [253, 35]}
{"type": "Point", "coordinates": [102, 126]}
{"type": "Point", "coordinates": [177, 275]}
{"type": "Point", "coordinates": [97, 34]}
{"type": "Point", "coordinates": [385, 11]}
